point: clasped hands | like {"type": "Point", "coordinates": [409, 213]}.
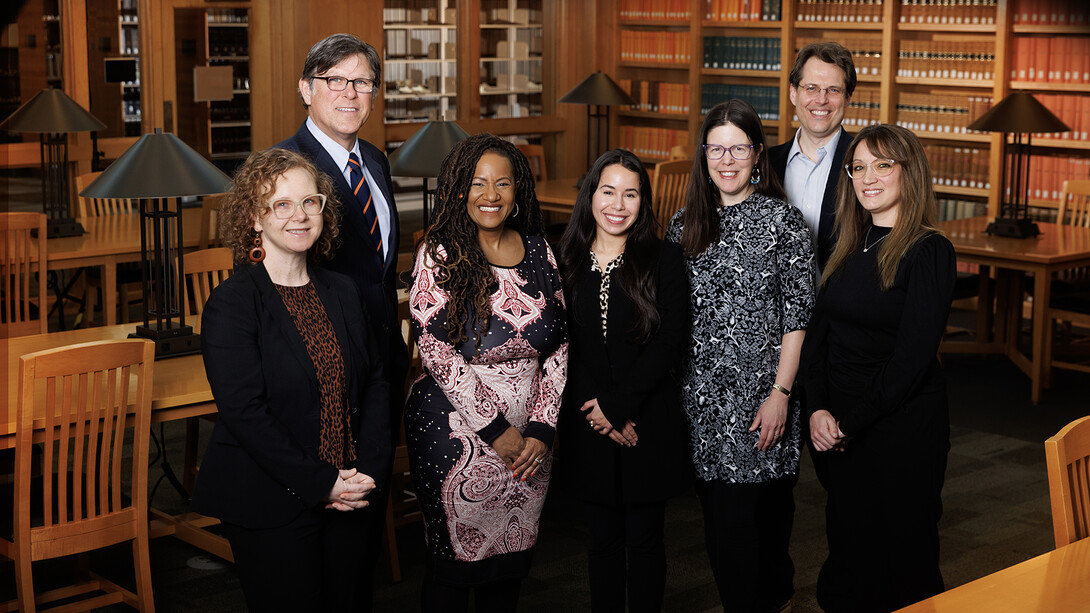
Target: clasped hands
{"type": "Point", "coordinates": [597, 419]}
{"type": "Point", "coordinates": [523, 455]}
{"type": "Point", "coordinates": [825, 432]}
{"type": "Point", "coordinates": [349, 491]}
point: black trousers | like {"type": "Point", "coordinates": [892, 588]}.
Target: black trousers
{"type": "Point", "coordinates": [747, 530]}
{"type": "Point", "coordinates": [323, 560]}
{"type": "Point", "coordinates": [496, 597]}
{"type": "Point", "coordinates": [627, 556]}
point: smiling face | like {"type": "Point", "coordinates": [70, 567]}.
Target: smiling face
{"type": "Point", "coordinates": [492, 192]}
{"type": "Point", "coordinates": [880, 196]}
{"type": "Point", "coordinates": [731, 176]}
{"type": "Point", "coordinates": [340, 115]}
{"type": "Point", "coordinates": [289, 238]}
{"type": "Point", "coordinates": [820, 114]}
{"type": "Point", "coordinates": [616, 202]}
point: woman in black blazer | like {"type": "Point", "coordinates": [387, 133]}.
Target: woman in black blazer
{"type": "Point", "coordinates": [301, 447]}
{"type": "Point", "coordinates": [622, 447]}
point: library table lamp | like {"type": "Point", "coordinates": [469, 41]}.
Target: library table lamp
{"type": "Point", "coordinates": [157, 168]}
{"type": "Point", "coordinates": [597, 91]}
{"type": "Point", "coordinates": [1019, 113]}
{"type": "Point", "coordinates": [422, 155]}
{"type": "Point", "coordinates": [53, 114]}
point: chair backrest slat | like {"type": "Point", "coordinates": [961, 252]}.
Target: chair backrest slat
{"type": "Point", "coordinates": [23, 308]}
{"type": "Point", "coordinates": [1067, 456]}
{"type": "Point", "coordinates": [669, 183]}
{"type": "Point", "coordinates": [99, 207]}
{"type": "Point", "coordinates": [204, 270]}
{"type": "Point", "coordinates": [535, 155]}
{"type": "Point", "coordinates": [1074, 208]}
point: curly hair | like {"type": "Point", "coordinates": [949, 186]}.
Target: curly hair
{"type": "Point", "coordinates": [253, 183]}
{"type": "Point", "coordinates": [463, 271]}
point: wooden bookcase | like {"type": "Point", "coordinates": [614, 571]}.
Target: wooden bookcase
{"type": "Point", "coordinates": [887, 37]}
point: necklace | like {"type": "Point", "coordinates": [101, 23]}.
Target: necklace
{"type": "Point", "coordinates": [867, 247]}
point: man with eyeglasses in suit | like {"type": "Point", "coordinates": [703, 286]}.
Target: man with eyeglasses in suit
{"type": "Point", "coordinates": [810, 164]}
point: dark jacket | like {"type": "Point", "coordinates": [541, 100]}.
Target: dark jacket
{"type": "Point", "coordinates": [825, 240]}
{"type": "Point", "coordinates": [631, 381]}
{"type": "Point", "coordinates": [261, 468]}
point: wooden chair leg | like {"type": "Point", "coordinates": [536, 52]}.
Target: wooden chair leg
{"type": "Point", "coordinates": [142, 568]}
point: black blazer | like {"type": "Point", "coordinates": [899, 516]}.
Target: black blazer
{"type": "Point", "coordinates": [630, 381]}
{"type": "Point", "coordinates": [261, 467]}
{"type": "Point", "coordinates": [825, 240]}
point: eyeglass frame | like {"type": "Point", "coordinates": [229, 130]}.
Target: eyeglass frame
{"type": "Point", "coordinates": [728, 149]}
{"type": "Point", "coordinates": [832, 92]}
{"type": "Point", "coordinates": [870, 166]}
{"type": "Point", "coordinates": [297, 206]}
{"type": "Point", "coordinates": [374, 84]}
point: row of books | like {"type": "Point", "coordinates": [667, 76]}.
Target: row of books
{"type": "Point", "coordinates": [946, 59]}
{"type": "Point", "coordinates": [944, 113]}
{"type": "Point", "coordinates": [659, 47]}
{"type": "Point", "coordinates": [863, 109]}
{"type": "Point", "coordinates": [1072, 110]}
{"type": "Point", "coordinates": [765, 100]}
{"type": "Point", "coordinates": [1050, 12]}
{"type": "Point", "coordinates": [652, 143]}
{"type": "Point", "coordinates": [952, 208]}
{"type": "Point", "coordinates": [741, 53]}
{"type": "Point", "coordinates": [744, 10]}
{"type": "Point", "coordinates": [657, 96]}
{"type": "Point", "coordinates": [845, 11]}
{"type": "Point", "coordinates": [408, 44]}
{"type": "Point", "coordinates": [866, 51]}
{"type": "Point", "coordinates": [1057, 59]}
{"type": "Point", "coordinates": [954, 166]}
{"type": "Point", "coordinates": [1048, 172]}
{"type": "Point", "coordinates": [965, 12]}
{"type": "Point", "coordinates": [662, 10]}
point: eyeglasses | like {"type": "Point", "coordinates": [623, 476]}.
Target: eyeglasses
{"type": "Point", "coordinates": [738, 152]}
{"type": "Point", "coordinates": [311, 205]}
{"type": "Point", "coordinates": [812, 91]}
{"type": "Point", "coordinates": [339, 84]}
{"type": "Point", "coordinates": [881, 168]}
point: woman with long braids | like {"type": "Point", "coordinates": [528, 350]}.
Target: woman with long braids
{"type": "Point", "coordinates": [751, 266]}
{"type": "Point", "coordinates": [621, 425]}
{"type": "Point", "coordinates": [488, 314]}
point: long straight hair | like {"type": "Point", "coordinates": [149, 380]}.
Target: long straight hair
{"type": "Point", "coordinates": [637, 275]}
{"type": "Point", "coordinates": [916, 212]}
{"type": "Point", "coordinates": [701, 216]}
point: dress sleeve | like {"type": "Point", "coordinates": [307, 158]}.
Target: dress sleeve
{"type": "Point", "coordinates": [554, 369]}
{"type": "Point", "coordinates": [930, 275]}
{"type": "Point", "coordinates": [813, 375]}
{"type": "Point", "coordinates": [795, 259]}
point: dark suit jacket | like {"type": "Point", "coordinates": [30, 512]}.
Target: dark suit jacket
{"type": "Point", "coordinates": [261, 468]}
{"type": "Point", "coordinates": [631, 381]}
{"type": "Point", "coordinates": [375, 277]}
{"type": "Point", "coordinates": [825, 240]}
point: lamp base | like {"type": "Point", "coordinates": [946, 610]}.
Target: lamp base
{"type": "Point", "coordinates": [171, 341]}
{"type": "Point", "coordinates": [1012, 228]}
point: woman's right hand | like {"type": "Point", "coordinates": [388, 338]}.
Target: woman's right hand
{"type": "Point", "coordinates": [824, 431]}
{"type": "Point", "coordinates": [349, 491]}
{"type": "Point", "coordinates": [509, 446]}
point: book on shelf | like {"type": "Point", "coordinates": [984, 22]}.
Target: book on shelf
{"type": "Point", "coordinates": [942, 113]}
{"type": "Point", "coordinates": [743, 10]}
{"type": "Point", "coordinates": [924, 59]}
{"type": "Point", "coordinates": [1049, 12]}
{"type": "Point", "coordinates": [741, 53]}
{"type": "Point", "coordinates": [954, 208]}
{"type": "Point", "coordinates": [843, 11]}
{"type": "Point", "coordinates": [1058, 59]}
{"type": "Point", "coordinates": [764, 100]}
{"type": "Point", "coordinates": [657, 96]}
{"type": "Point", "coordinates": [863, 108]}
{"type": "Point", "coordinates": [953, 12]}
{"type": "Point", "coordinates": [1048, 172]}
{"type": "Point", "coordinates": [1073, 110]}
{"type": "Point", "coordinates": [958, 166]}
{"type": "Point", "coordinates": [651, 143]}
{"type": "Point", "coordinates": [654, 10]}
{"type": "Point", "coordinates": [866, 50]}
{"type": "Point", "coordinates": [654, 47]}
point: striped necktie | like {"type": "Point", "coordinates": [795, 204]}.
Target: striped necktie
{"type": "Point", "coordinates": [363, 194]}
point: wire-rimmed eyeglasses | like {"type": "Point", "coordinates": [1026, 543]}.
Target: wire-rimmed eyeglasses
{"type": "Point", "coordinates": [738, 152]}
{"type": "Point", "coordinates": [812, 90]}
{"type": "Point", "coordinates": [285, 208]}
{"type": "Point", "coordinates": [339, 84]}
{"type": "Point", "coordinates": [881, 167]}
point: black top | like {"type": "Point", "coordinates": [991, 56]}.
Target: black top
{"type": "Point", "coordinates": [871, 354]}
{"type": "Point", "coordinates": [633, 381]}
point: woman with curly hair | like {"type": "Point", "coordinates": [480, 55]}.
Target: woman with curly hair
{"type": "Point", "coordinates": [488, 314]}
{"type": "Point", "coordinates": [301, 445]}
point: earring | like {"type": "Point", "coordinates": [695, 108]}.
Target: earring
{"type": "Point", "coordinates": [516, 213]}
{"type": "Point", "coordinates": [755, 178]}
{"type": "Point", "coordinates": [257, 253]}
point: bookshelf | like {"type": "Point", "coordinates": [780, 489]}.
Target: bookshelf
{"type": "Point", "coordinates": [420, 62]}
{"type": "Point", "coordinates": [930, 66]}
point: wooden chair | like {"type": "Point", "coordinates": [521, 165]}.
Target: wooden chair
{"type": "Point", "coordinates": [1070, 301]}
{"type": "Point", "coordinates": [128, 275]}
{"type": "Point", "coordinates": [668, 186]}
{"type": "Point", "coordinates": [210, 209]}
{"type": "Point", "coordinates": [99, 207]}
{"type": "Point", "coordinates": [680, 152]}
{"type": "Point", "coordinates": [535, 155]}
{"type": "Point", "coordinates": [84, 399]}
{"type": "Point", "coordinates": [204, 270]}
{"type": "Point", "coordinates": [1068, 458]}
{"type": "Point", "coordinates": [23, 307]}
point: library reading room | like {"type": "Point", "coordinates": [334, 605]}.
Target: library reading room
{"type": "Point", "coordinates": [324, 305]}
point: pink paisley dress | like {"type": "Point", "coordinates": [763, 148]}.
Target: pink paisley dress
{"type": "Point", "coordinates": [481, 524]}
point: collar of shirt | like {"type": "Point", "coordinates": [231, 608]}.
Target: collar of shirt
{"type": "Point", "coordinates": [334, 149]}
{"type": "Point", "coordinates": [821, 151]}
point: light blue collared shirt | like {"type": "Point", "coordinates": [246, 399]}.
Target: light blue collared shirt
{"type": "Point", "coordinates": [340, 158]}
{"type": "Point", "coordinates": [804, 180]}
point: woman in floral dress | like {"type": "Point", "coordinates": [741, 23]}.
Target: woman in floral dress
{"type": "Point", "coordinates": [488, 314]}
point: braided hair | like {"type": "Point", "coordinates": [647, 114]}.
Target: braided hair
{"type": "Point", "coordinates": [463, 271]}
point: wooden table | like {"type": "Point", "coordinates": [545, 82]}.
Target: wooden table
{"type": "Point", "coordinates": [180, 390]}
{"type": "Point", "coordinates": [1057, 248]}
{"type": "Point", "coordinates": [109, 241]}
{"type": "Point", "coordinates": [557, 195]}
{"type": "Point", "coordinates": [1058, 581]}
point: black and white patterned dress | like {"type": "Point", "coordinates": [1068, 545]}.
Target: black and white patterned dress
{"type": "Point", "coordinates": [749, 289]}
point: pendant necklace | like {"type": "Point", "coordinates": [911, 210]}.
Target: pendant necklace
{"type": "Point", "coordinates": [867, 247]}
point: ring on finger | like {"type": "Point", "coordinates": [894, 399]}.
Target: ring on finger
{"type": "Point", "coordinates": [538, 460]}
